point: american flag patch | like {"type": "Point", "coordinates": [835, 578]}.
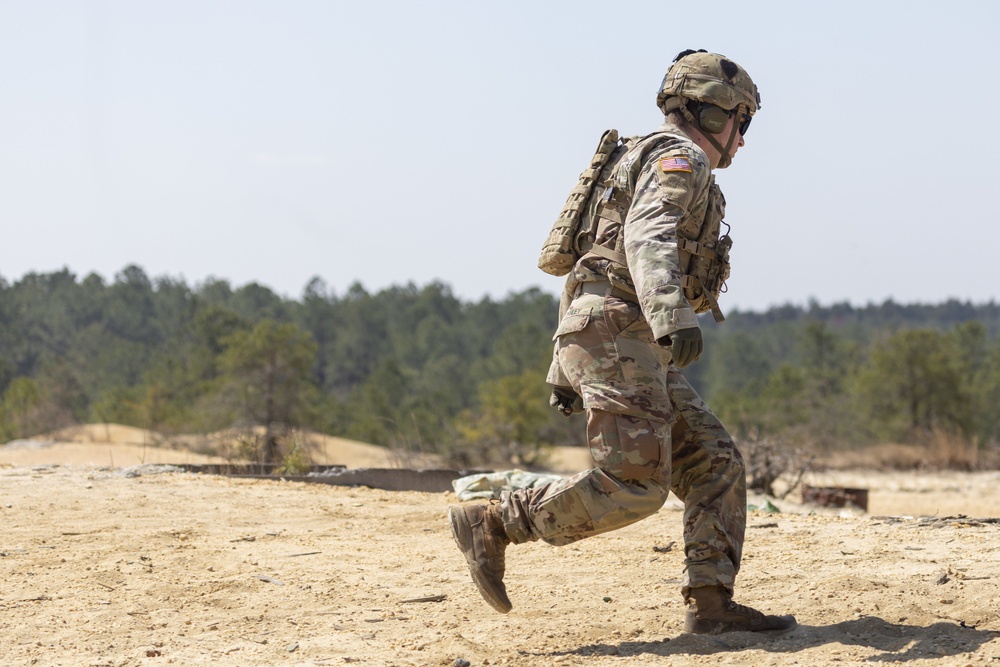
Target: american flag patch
{"type": "Point", "coordinates": [675, 164]}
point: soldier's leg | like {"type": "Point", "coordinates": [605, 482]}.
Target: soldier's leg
{"type": "Point", "coordinates": [708, 475]}
{"type": "Point", "coordinates": [629, 483]}
{"type": "Point", "coordinates": [606, 351]}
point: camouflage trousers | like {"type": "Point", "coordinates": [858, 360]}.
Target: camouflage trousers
{"type": "Point", "coordinates": [649, 433]}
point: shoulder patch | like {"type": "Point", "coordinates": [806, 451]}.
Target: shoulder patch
{"type": "Point", "coordinates": [675, 164]}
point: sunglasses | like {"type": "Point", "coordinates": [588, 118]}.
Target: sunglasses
{"type": "Point", "coordinates": [744, 122]}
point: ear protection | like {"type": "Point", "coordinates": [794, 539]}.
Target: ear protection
{"type": "Point", "coordinates": [711, 119]}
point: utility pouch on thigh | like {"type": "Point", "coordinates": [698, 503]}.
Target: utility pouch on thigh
{"type": "Point", "coordinates": [575, 319]}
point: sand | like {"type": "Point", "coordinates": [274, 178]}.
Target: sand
{"type": "Point", "coordinates": [107, 560]}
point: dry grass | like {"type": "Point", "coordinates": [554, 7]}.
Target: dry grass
{"type": "Point", "coordinates": [939, 451]}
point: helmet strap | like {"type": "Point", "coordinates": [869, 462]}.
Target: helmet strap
{"type": "Point", "coordinates": [725, 157]}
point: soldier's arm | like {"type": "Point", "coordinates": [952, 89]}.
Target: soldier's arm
{"type": "Point", "coordinates": [668, 186]}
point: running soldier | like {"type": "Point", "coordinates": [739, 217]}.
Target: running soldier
{"type": "Point", "coordinates": [641, 241]}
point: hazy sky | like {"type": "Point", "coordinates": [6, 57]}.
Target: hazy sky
{"type": "Point", "coordinates": [389, 142]}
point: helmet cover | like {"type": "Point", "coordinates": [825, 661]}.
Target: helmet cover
{"type": "Point", "coordinates": [707, 77]}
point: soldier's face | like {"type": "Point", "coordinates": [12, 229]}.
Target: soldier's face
{"type": "Point", "coordinates": [732, 128]}
{"type": "Point", "coordinates": [730, 135]}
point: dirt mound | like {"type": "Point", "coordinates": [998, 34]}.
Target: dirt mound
{"type": "Point", "coordinates": [116, 445]}
{"type": "Point", "coordinates": [116, 434]}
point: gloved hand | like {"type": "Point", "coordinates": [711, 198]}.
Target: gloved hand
{"type": "Point", "coordinates": [686, 345]}
{"type": "Point", "coordinates": [565, 400]}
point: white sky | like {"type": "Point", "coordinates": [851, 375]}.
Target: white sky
{"type": "Point", "coordinates": [388, 142]}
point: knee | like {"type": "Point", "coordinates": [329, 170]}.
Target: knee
{"type": "Point", "coordinates": [637, 498]}
{"type": "Point", "coordinates": [735, 464]}
{"type": "Point", "coordinates": [724, 463]}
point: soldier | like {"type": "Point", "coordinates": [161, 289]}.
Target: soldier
{"type": "Point", "coordinates": [646, 255]}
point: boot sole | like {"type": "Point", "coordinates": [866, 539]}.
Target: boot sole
{"type": "Point", "coordinates": [715, 628]}
{"type": "Point", "coordinates": [462, 532]}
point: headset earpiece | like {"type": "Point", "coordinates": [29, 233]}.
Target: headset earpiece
{"type": "Point", "coordinates": [711, 118]}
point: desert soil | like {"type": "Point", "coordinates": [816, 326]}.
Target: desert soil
{"type": "Point", "coordinates": [107, 560]}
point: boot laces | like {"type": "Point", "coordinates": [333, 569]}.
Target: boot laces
{"type": "Point", "coordinates": [743, 610]}
{"type": "Point", "coordinates": [494, 537]}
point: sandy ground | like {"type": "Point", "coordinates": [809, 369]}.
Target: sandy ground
{"type": "Point", "coordinates": [109, 564]}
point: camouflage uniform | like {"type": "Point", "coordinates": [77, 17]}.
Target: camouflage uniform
{"type": "Point", "coordinates": [649, 431]}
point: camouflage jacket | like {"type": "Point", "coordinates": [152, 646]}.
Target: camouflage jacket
{"type": "Point", "coordinates": [673, 190]}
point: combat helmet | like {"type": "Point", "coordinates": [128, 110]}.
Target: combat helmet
{"type": "Point", "coordinates": [710, 82]}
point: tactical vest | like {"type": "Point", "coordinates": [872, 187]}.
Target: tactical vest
{"type": "Point", "coordinates": [598, 205]}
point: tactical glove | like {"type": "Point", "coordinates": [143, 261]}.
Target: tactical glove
{"type": "Point", "coordinates": [565, 400]}
{"type": "Point", "coordinates": [686, 345]}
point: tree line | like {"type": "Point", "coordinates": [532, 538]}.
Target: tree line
{"type": "Point", "coordinates": [415, 368]}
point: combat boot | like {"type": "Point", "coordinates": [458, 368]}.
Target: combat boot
{"type": "Point", "coordinates": [478, 530]}
{"type": "Point", "coordinates": [711, 610]}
